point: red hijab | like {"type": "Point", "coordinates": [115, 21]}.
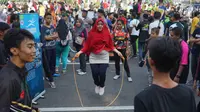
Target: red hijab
{"type": "Point", "coordinates": [98, 41]}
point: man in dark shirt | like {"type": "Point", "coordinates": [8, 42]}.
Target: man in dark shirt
{"type": "Point", "coordinates": [3, 55]}
{"type": "Point", "coordinates": [143, 35]}
{"type": "Point", "coordinates": [164, 95]}
{"type": "Point", "coordinates": [13, 88]}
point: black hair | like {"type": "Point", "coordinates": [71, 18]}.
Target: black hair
{"type": "Point", "coordinates": [14, 17]}
{"type": "Point", "coordinates": [157, 15]}
{"type": "Point", "coordinates": [120, 21]}
{"type": "Point", "coordinates": [101, 11]}
{"type": "Point", "coordinates": [177, 16]}
{"type": "Point", "coordinates": [4, 26]}
{"type": "Point", "coordinates": [145, 16]}
{"type": "Point", "coordinates": [177, 31]}
{"type": "Point", "coordinates": [47, 14]}
{"type": "Point", "coordinates": [156, 30]}
{"type": "Point", "coordinates": [110, 14]}
{"type": "Point", "coordinates": [17, 36]}
{"type": "Point", "coordinates": [32, 11]}
{"type": "Point", "coordinates": [196, 13]}
{"type": "Point", "coordinates": [165, 52]}
{"type": "Point", "coordinates": [134, 15]}
{"type": "Point", "coordinates": [116, 15]}
{"type": "Point", "coordinates": [10, 9]}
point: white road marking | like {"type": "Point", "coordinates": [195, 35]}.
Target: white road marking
{"type": "Point", "coordinates": [76, 109]}
{"type": "Point", "coordinates": [76, 63]}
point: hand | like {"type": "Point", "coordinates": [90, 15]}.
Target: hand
{"type": "Point", "coordinates": [176, 79]}
{"type": "Point", "coordinates": [195, 85]}
{"type": "Point", "coordinates": [77, 55]}
{"type": "Point", "coordinates": [120, 55]}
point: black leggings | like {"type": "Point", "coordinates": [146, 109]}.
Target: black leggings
{"type": "Point", "coordinates": [99, 74]}
{"type": "Point", "coordinates": [117, 62]}
{"type": "Point", "coordinates": [133, 42]}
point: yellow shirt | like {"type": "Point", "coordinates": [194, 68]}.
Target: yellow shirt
{"type": "Point", "coordinates": [195, 21]}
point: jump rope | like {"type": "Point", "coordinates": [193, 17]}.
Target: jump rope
{"type": "Point", "coordinates": [78, 92]}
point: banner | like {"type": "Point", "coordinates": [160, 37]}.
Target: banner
{"type": "Point", "coordinates": [35, 80]}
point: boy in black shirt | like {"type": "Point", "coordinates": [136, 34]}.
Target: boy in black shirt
{"type": "Point", "coordinates": [144, 34]}
{"type": "Point", "coordinates": [20, 45]}
{"type": "Point", "coordinates": [164, 95]}
{"type": "Point", "coordinates": [3, 55]}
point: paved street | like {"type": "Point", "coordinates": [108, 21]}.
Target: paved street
{"type": "Point", "coordinates": [65, 94]}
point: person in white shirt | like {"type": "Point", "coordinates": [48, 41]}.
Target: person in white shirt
{"type": "Point", "coordinates": [134, 33]}
{"type": "Point", "coordinates": [157, 24]}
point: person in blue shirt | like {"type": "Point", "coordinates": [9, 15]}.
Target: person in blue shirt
{"type": "Point", "coordinates": [48, 38]}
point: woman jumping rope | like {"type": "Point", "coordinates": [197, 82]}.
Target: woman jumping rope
{"type": "Point", "coordinates": [97, 46]}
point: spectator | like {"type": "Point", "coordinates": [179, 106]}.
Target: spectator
{"type": "Point", "coordinates": [164, 94]}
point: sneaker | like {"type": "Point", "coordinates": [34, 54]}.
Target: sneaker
{"type": "Point", "coordinates": [52, 84]}
{"type": "Point", "coordinates": [56, 75]}
{"type": "Point", "coordinates": [97, 89]}
{"type": "Point", "coordinates": [64, 71]}
{"type": "Point", "coordinates": [82, 73]}
{"type": "Point", "coordinates": [69, 61]}
{"type": "Point", "coordinates": [130, 79]}
{"type": "Point", "coordinates": [116, 77]}
{"type": "Point", "coordinates": [101, 91]}
{"type": "Point", "coordinates": [57, 70]}
{"type": "Point", "coordinates": [79, 70]}
{"type": "Point", "coordinates": [46, 78]}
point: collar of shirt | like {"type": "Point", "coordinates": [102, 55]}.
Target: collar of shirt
{"type": "Point", "coordinates": [22, 72]}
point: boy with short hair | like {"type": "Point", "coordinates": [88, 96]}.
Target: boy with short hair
{"type": "Point", "coordinates": [20, 45]}
{"type": "Point", "coordinates": [48, 38]}
{"type": "Point", "coordinates": [164, 95]}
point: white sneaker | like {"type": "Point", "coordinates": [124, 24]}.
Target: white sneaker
{"type": "Point", "coordinates": [52, 84]}
{"type": "Point", "coordinates": [57, 70]}
{"type": "Point", "coordinates": [69, 61]}
{"type": "Point", "coordinates": [116, 77]}
{"type": "Point", "coordinates": [130, 79]}
{"type": "Point", "coordinates": [97, 89]}
{"type": "Point", "coordinates": [81, 73]}
{"type": "Point", "coordinates": [101, 91]}
{"type": "Point", "coordinates": [79, 70]}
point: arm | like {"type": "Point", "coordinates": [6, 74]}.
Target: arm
{"type": "Point", "coordinates": [194, 40]}
{"type": "Point", "coordinates": [184, 59]}
{"type": "Point", "coordinates": [51, 37]}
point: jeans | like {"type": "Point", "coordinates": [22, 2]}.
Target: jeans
{"type": "Point", "coordinates": [82, 59]}
{"type": "Point", "coordinates": [49, 60]}
{"type": "Point", "coordinates": [141, 46]}
{"type": "Point", "coordinates": [99, 74]}
{"type": "Point", "coordinates": [62, 52]}
{"type": "Point", "coordinates": [117, 62]}
{"type": "Point", "coordinates": [133, 42]}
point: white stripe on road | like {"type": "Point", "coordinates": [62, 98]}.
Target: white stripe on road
{"type": "Point", "coordinates": [76, 63]}
{"type": "Point", "coordinates": [76, 109]}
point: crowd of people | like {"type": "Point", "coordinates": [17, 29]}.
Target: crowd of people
{"type": "Point", "coordinates": [164, 39]}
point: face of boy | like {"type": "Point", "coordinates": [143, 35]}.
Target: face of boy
{"type": "Point", "coordinates": [48, 19]}
{"type": "Point", "coordinates": [26, 52]}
